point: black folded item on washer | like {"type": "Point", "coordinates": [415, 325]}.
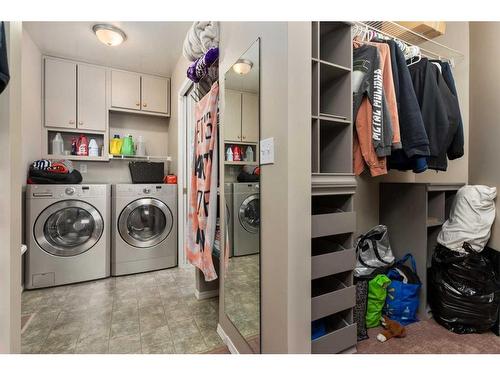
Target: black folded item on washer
{"type": "Point", "coordinates": [38, 176]}
{"type": "Point", "coordinates": [247, 177]}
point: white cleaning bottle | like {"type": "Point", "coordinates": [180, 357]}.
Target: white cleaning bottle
{"type": "Point", "coordinates": [58, 145]}
{"type": "Point", "coordinates": [229, 154]}
{"type": "Point", "coordinates": [249, 154]}
{"type": "Point", "coordinates": [93, 148]}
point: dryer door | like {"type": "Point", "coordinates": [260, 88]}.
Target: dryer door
{"type": "Point", "coordinates": [249, 213]}
{"type": "Point", "coordinates": [145, 222]}
{"type": "Point", "coordinates": [68, 228]}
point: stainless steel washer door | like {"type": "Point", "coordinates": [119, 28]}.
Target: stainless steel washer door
{"type": "Point", "coordinates": [249, 214]}
{"type": "Point", "coordinates": [68, 228]}
{"type": "Point", "coordinates": [145, 222]}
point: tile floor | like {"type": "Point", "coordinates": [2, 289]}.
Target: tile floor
{"type": "Point", "coordinates": [153, 312]}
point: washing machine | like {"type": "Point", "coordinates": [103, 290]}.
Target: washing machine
{"type": "Point", "coordinates": [144, 228]}
{"type": "Point", "coordinates": [68, 234]}
{"type": "Point", "coordinates": [228, 193]}
{"type": "Point", "coordinates": [246, 218]}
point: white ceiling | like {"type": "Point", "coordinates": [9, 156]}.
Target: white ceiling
{"type": "Point", "coordinates": [249, 82]}
{"type": "Point", "coordinates": [151, 47]}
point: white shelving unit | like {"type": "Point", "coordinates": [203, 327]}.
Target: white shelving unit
{"type": "Point", "coordinates": [140, 158]}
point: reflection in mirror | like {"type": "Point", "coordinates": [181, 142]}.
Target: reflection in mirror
{"type": "Point", "coordinates": [242, 188]}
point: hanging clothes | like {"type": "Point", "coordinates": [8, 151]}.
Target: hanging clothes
{"type": "Point", "coordinates": [368, 111]}
{"type": "Point", "coordinates": [4, 64]}
{"type": "Point", "coordinates": [456, 149]}
{"type": "Point", "coordinates": [389, 93]}
{"type": "Point", "coordinates": [202, 217]}
{"type": "Point", "coordinates": [413, 134]}
{"type": "Point", "coordinates": [439, 108]}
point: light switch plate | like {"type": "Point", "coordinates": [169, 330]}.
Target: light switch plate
{"type": "Point", "coordinates": [267, 151]}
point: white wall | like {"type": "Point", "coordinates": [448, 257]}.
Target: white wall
{"type": "Point", "coordinates": [10, 199]}
{"type": "Point", "coordinates": [367, 194]}
{"type": "Point", "coordinates": [485, 118]}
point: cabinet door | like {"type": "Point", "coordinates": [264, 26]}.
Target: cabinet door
{"type": "Point", "coordinates": [60, 94]}
{"type": "Point", "coordinates": [155, 94]}
{"type": "Point", "coordinates": [125, 90]}
{"type": "Point", "coordinates": [91, 97]}
{"type": "Point", "coordinates": [249, 117]}
{"type": "Point", "coordinates": [232, 116]}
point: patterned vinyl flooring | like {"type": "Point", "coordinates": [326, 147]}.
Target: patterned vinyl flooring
{"type": "Point", "coordinates": [154, 312]}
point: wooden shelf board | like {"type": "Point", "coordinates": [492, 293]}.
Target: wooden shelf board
{"type": "Point", "coordinates": [332, 119]}
{"type": "Point", "coordinates": [434, 222]}
{"type": "Point", "coordinates": [124, 110]}
{"type": "Point", "coordinates": [240, 143]}
{"type": "Point", "coordinates": [76, 157]}
{"type": "Point", "coordinates": [76, 130]}
{"type": "Point", "coordinates": [139, 158]}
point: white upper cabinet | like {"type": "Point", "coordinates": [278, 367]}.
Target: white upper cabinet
{"type": "Point", "coordinates": [125, 90]}
{"type": "Point", "coordinates": [249, 117]}
{"type": "Point", "coordinates": [60, 93]}
{"type": "Point", "coordinates": [91, 97]}
{"type": "Point", "coordinates": [241, 117]}
{"type": "Point", "coordinates": [155, 94]}
{"type": "Point", "coordinates": [140, 92]}
{"type": "Point", "coordinates": [232, 116]}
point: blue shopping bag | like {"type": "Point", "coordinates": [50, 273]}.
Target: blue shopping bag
{"type": "Point", "coordinates": [403, 294]}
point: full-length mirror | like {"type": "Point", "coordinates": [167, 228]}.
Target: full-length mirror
{"type": "Point", "coordinates": [242, 192]}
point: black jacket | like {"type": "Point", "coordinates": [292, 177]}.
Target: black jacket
{"type": "Point", "coordinates": [440, 110]}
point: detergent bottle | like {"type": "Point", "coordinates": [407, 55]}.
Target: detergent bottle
{"type": "Point", "coordinates": [236, 153]}
{"type": "Point", "coordinates": [82, 148]}
{"type": "Point", "coordinates": [128, 145]}
{"type": "Point", "coordinates": [115, 145]}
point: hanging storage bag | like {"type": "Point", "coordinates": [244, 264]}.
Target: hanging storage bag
{"type": "Point", "coordinates": [376, 299]}
{"type": "Point", "coordinates": [403, 295]}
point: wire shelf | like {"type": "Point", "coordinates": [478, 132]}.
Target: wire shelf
{"type": "Point", "coordinates": [396, 31]}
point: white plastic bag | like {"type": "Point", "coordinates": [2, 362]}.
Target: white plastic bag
{"type": "Point", "coordinates": [471, 216]}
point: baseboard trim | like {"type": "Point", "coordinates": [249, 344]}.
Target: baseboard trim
{"type": "Point", "coordinates": [225, 338]}
{"type": "Point", "coordinates": [206, 294]}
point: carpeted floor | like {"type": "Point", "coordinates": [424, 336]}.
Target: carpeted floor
{"type": "Point", "coordinates": [428, 337]}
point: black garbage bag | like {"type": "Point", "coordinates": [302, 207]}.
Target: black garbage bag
{"type": "Point", "coordinates": [464, 290]}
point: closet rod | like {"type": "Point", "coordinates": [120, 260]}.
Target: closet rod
{"type": "Point", "coordinates": [395, 31]}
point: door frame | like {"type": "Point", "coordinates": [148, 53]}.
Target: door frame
{"type": "Point", "coordinates": [182, 99]}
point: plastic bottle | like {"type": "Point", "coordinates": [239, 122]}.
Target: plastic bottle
{"type": "Point", "coordinates": [83, 146]}
{"type": "Point", "coordinates": [115, 145]}
{"type": "Point", "coordinates": [249, 154]}
{"type": "Point", "coordinates": [236, 153]}
{"type": "Point", "coordinates": [229, 154]}
{"type": "Point", "coordinates": [58, 145]}
{"type": "Point", "coordinates": [93, 148]}
{"type": "Point", "coordinates": [140, 147]}
{"type": "Point", "coordinates": [74, 147]}
{"type": "Point", "coordinates": [128, 145]}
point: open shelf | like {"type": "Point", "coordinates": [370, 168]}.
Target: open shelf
{"type": "Point", "coordinates": [332, 214]}
{"type": "Point", "coordinates": [331, 255]}
{"type": "Point", "coordinates": [340, 334]}
{"type": "Point", "coordinates": [335, 91]}
{"type": "Point", "coordinates": [335, 42]}
{"type": "Point", "coordinates": [241, 163]}
{"type": "Point", "coordinates": [68, 136]}
{"type": "Point", "coordinates": [335, 147]}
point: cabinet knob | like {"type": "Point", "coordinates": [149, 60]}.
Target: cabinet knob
{"type": "Point", "coordinates": [239, 137]}
{"type": "Point", "coordinates": [244, 137]}
{"type": "Point", "coordinates": [145, 105]}
{"type": "Point", "coordinates": [71, 122]}
{"type": "Point", "coordinates": [80, 122]}
{"type": "Point", "coordinates": [138, 104]}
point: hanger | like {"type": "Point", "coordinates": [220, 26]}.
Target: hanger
{"type": "Point", "coordinates": [415, 52]}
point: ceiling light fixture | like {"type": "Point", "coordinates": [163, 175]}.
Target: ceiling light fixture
{"type": "Point", "coordinates": [242, 66]}
{"type": "Point", "coordinates": [109, 34]}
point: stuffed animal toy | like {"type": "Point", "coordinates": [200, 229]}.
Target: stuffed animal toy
{"type": "Point", "coordinates": [392, 329]}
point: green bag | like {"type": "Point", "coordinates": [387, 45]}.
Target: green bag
{"type": "Point", "coordinates": [377, 291]}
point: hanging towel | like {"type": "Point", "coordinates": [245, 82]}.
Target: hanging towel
{"type": "Point", "coordinates": [202, 217]}
{"type": "Point", "coordinates": [201, 37]}
{"type": "Point", "coordinates": [199, 68]}
{"type": "Point", "coordinates": [4, 64]}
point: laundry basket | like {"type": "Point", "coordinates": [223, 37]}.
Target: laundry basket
{"type": "Point", "coordinates": [143, 172]}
